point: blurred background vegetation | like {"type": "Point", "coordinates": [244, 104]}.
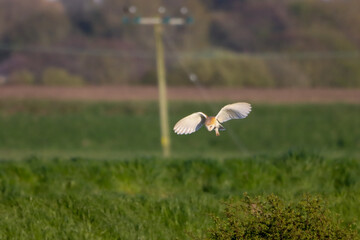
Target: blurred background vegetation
{"type": "Point", "coordinates": [245, 43]}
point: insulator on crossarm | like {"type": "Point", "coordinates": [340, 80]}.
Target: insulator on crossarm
{"type": "Point", "coordinates": [184, 10]}
{"type": "Point", "coordinates": [162, 9]}
{"type": "Point", "coordinates": [130, 9]}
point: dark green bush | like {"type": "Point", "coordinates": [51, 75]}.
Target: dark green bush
{"type": "Point", "coordinates": [272, 218]}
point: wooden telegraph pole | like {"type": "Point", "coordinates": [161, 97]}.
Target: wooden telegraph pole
{"type": "Point", "coordinates": [158, 23]}
{"type": "Point", "coordinates": [161, 73]}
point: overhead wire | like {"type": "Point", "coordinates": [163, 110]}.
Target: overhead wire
{"type": "Point", "coordinates": [145, 54]}
{"type": "Point", "coordinates": [78, 51]}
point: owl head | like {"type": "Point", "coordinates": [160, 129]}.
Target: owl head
{"type": "Point", "coordinates": [210, 123]}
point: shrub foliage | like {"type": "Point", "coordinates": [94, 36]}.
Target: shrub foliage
{"type": "Point", "coordinates": [22, 77]}
{"type": "Point", "coordinates": [60, 77]}
{"type": "Point", "coordinates": [272, 218]}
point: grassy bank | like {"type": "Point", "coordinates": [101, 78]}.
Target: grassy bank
{"type": "Point", "coordinates": [152, 199]}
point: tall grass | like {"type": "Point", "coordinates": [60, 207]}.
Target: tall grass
{"type": "Point", "coordinates": [152, 198]}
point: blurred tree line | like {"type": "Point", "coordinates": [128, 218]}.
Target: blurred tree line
{"type": "Point", "coordinates": [250, 43]}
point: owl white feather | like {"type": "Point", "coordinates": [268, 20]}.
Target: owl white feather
{"type": "Point", "coordinates": [195, 121]}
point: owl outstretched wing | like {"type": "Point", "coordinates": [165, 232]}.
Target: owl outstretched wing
{"type": "Point", "coordinates": [190, 124]}
{"type": "Point", "coordinates": [233, 111]}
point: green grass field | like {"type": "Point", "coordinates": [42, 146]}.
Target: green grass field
{"type": "Point", "coordinates": [94, 170]}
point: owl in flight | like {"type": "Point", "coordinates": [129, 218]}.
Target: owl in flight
{"type": "Point", "coordinates": [195, 121]}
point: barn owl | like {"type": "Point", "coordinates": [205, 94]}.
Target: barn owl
{"type": "Point", "coordinates": [195, 121]}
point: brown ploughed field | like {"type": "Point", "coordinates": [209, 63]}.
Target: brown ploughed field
{"type": "Point", "coordinates": [129, 93]}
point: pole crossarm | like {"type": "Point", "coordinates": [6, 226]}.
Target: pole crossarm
{"type": "Point", "coordinates": [157, 20]}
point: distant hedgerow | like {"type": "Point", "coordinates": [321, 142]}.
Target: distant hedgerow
{"type": "Point", "coordinates": [253, 218]}
{"type": "Point", "coordinates": [53, 76]}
